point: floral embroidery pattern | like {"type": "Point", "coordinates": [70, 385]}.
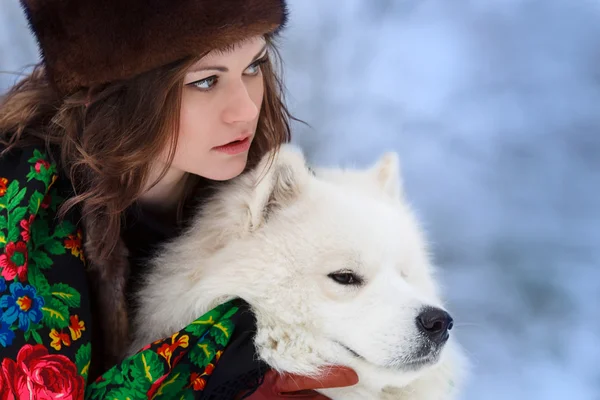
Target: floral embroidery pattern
{"type": "Point", "coordinates": [166, 350]}
{"type": "Point", "coordinates": [3, 183]}
{"type": "Point", "coordinates": [37, 311]}
{"type": "Point", "coordinates": [73, 243]}
{"type": "Point", "coordinates": [14, 261]}
{"type": "Point", "coordinates": [36, 374]}
{"type": "Point", "coordinates": [158, 371]}
{"type": "Point", "coordinates": [44, 344]}
{"type": "Point", "coordinates": [23, 304]}
{"type": "Point", "coordinates": [76, 327]}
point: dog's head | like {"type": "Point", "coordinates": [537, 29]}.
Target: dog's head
{"type": "Point", "coordinates": [334, 265]}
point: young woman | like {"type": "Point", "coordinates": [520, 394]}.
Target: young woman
{"type": "Point", "coordinates": [137, 109]}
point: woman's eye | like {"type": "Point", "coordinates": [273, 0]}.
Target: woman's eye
{"type": "Point", "coordinates": [206, 83]}
{"type": "Point", "coordinates": [254, 68]}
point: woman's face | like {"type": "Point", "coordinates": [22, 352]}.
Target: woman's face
{"type": "Point", "coordinates": [221, 102]}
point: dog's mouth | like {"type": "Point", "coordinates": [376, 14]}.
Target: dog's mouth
{"type": "Point", "coordinates": [418, 362]}
{"type": "Point", "coordinates": [349, 350]}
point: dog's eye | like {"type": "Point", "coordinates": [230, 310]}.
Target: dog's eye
{"type": "Point", "coordinates": [346, 278]}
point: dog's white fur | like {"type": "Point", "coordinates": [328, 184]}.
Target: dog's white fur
{"type": "Point", "coordinates": [272, 236]}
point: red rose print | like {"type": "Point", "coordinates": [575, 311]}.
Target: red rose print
{"type": "Point", "coordinates": [42, 376]}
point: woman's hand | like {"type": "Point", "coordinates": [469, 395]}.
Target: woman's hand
{"type": "Point", "coordinates": [283, 386]}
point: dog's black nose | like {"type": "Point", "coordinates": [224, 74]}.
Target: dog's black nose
{"type": "Point", "coordinates": [435, 323]}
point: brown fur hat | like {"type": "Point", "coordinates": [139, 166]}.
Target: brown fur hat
{"type": "Point", "coordinates": [90, 42]}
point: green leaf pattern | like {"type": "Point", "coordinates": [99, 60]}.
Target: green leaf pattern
{"type": "Point", "coordinates": [150, 374]}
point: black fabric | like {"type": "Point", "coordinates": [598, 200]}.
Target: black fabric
{"type": "Point", "coordinates": [144, 231]}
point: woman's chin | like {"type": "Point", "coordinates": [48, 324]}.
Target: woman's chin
{"type": "Point", "coordinates": [225, 170]}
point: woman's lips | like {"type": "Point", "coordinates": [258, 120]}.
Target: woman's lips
{"type": "Point", "coordinates": [235, 147]}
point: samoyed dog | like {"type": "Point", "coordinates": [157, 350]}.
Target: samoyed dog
{"type": "Point", "coordinates": [334, 266]}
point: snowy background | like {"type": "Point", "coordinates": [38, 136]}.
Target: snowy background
{"type": "Point", "coordinates": [494, 107]}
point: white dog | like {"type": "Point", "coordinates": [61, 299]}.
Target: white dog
{"type": "Point", "coordinates": [334, 267]}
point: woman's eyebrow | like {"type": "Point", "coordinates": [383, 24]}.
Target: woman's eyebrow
{"type": "Point", "coordinates": [225, 69]}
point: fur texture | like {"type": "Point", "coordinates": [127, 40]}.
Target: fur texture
{"type": "Point", "coordinates": [274, 237]}
{"type": "Point", "coordinates": [108, 279]}
{"type": "Point", "coordinates": [91, 42]}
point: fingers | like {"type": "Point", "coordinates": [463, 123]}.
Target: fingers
{"type": "Point", "coordinates": [334, 377]}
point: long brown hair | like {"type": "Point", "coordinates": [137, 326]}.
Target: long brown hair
{"type": "Point", "coordinates": [108, 136]}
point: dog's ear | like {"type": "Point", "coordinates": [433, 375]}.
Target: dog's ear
{"type": "Point", "coordinates": [388, 175]}
{"type": "Point", "coordinates": [276, 181]}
